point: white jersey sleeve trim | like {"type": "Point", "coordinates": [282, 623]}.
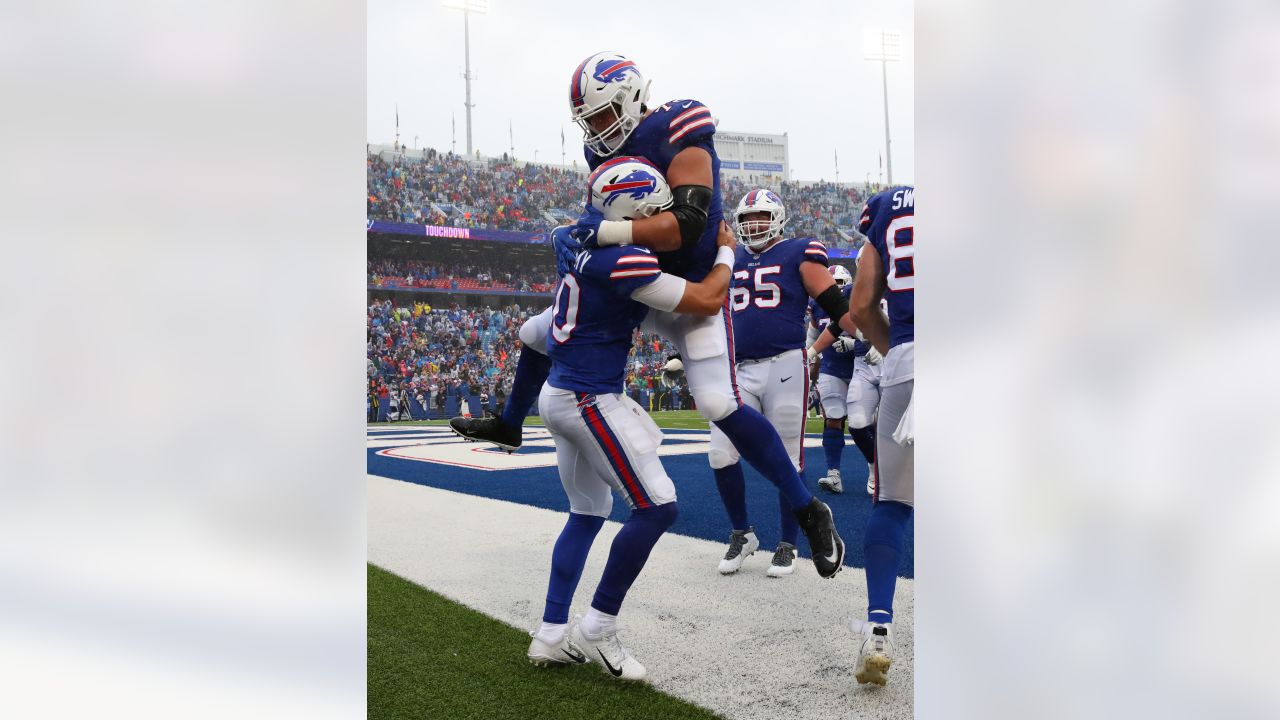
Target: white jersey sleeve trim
{"type": "Point", "coordinates": [664, 293]}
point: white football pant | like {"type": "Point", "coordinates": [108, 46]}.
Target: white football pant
{"type": "Point", "coordinates": [864, 394]}
{"type": "Point", "coordinates": [777, 387]}
{"type": "Point", "coordinates": [895, 463]}
{"type": "Point", "coordinates": [604, 443]}
{"type": "Point", "coordinates": [834, 392]}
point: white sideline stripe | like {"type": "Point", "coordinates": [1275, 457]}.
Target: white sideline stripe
{"type": "Point", "coordinates": [744, 645]}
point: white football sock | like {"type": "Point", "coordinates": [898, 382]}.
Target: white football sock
{"type": "Point", "coordinates": [551, 633]}
{"type": "Point", "coordinates": [596, 624]}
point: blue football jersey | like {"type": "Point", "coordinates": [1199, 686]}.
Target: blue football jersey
{"type": "Point", "coordinates": [594, 317]}
{"type": "Point", "coordinates": [768, 297]}
{"type": "Point", "coordinates": [835, 363]}
{"type": "Point", "coordinates": [659, 137]}
{"type": "Point", "coordinates": [888, 221]}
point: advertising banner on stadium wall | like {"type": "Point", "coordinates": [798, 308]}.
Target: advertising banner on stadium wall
{"type": "Point", "coordinates": [445, 231]}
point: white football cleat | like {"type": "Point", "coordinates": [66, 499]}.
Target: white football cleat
{"type": "Point", "coordinates": [562, 653]}
{"type": "Point", "coordinates": [741, 544]}
{"type": "Point", "coordinates": [609, 652]}
{"type": "Point", "coordinates": [876, 653]}
{"type": "Point", "coordinates": [832, 481]}
{"type": "Point", "coordinates": [871, 480]}
{"type": "Point", "coordinates": [784, 560]}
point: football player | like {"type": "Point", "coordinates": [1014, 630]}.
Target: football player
{"type": "Point", "coordinates": [851, 385]}
{"type": "Point", "coordinates": [607, 99]}
{"type": "Point", "coordinates": [886, 269]}
{"type": "Point", "coordinates": [774, 279]}
{"type": "Point", "coordinates": [605, 441]}
{"type": "Point", "coordinates": [833, 381]}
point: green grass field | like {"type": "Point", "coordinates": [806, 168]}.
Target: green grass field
{"type": "Point", "coordinates": [667, 420]}
{"type": "Point", "coordinates": [430, 658]}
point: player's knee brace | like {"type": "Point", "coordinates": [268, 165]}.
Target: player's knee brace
{"type": "Point", "coordinates": [714, 405]}
{"type": "Point", "coordinates": [534, 334]}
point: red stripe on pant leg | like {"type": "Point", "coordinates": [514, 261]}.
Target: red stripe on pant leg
{"type": "Point", "coordinates": [875, 486]}
{"type": "Point", "coordinates": [733, 360]}
{"type": "Point", "coordinates": [804, 409]}
{"type": "Point", "coordinates": [616, 457]}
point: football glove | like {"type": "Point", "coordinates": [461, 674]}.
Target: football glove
{"type": "Point", "coordinates": [567, 249]}
{"type": "Point", "coordinates": [843, 344]}
{"type": "Point", "coordinates": [587, 230]}
{"type": "Point", "coordinates": [873, 356]}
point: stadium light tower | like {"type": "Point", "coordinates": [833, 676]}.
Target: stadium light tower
{"type": "Point", "coordinates": [885, 46]}
{"type": "Point", "coordinates": [480, 7]}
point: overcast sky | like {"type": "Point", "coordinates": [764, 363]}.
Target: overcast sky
{"type": "Point", "coordinates": [770, 67]}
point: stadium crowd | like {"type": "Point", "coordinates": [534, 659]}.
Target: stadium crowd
{"type": "Point", "coordinates": [444, 189]}
{"type": "Point", "coordinates": [430, 354]}
{"type": "Point", "coordinates": [395, 274]}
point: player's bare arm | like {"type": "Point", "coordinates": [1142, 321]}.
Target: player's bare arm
{"type": "Point", "coordinates": [864, 303]}
{"type": "Point", "coordinates": [707, 297]}
{"type": "Point", "coordinates": [689, 173]}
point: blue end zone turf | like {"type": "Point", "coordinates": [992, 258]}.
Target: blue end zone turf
{"type": "Point", "coordinates": [701, 513]}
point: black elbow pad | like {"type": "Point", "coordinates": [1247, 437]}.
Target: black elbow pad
{"type": "Point", "coordinates": [836, 305]}
{"type": "Point", "coordinates": [690, 205]}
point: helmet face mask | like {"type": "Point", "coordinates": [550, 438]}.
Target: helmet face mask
{"type": "Point", "coordinates": [607, 83]}
{"type": "Point", "coordinates": [606, 141]}
{"type": "Point", "coordinates": [755, 234]}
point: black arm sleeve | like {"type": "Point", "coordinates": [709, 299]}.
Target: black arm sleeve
{"type": "Point", "coordinates": [836, 305]}
{"type": "Point", "coordinates": [690, 206]}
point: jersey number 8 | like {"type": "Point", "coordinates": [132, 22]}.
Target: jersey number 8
{"type": "Point", "coordinates": [899, 240]}
{"type": "Point", "coordinates": [767, 294]}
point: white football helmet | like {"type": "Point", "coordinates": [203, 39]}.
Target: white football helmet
{"type": "Point", "coordinates": [755, 234]}
{"type": "Point", "coordinates": [629, 188]}
{"type": "Point", "coordinates": [841, 275]}
{"type": "Point", "coordinates": [607, 85]}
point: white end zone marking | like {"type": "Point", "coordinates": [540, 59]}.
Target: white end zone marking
{"type": "Point", "coordinates": [439, 445]}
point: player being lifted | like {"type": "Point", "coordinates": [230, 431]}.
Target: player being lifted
{"type": "Point", "coordinates": [849, 383]}
{"type": "Point", "coordinates": [886, 268]}
{"type": "Point", "coordinates": [773, 281]}
{"type": "Point", "coordinates": [607, 98]}
{"type": "Point", "coordinates": [604, 440]}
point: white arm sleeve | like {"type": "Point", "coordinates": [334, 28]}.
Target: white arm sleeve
{"type": "Point", "coordinates": [665, 293]}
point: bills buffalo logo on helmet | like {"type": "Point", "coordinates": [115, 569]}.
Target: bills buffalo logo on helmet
{"type": "Point", "coordinates": [758, 195]}
{"type": "Point", "coordinates": [637, 184]}
{"type": "Point", "coordinates": [612, 70]}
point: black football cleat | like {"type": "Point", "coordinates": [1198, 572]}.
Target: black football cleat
{"type": "Point", "coordinates": [488, 429]}
{"type": "Point", "coordinates": [825, 544]}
